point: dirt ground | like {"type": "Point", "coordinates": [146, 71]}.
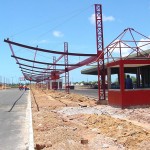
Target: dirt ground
{"type": "Point", "coordinates": [74, 122]}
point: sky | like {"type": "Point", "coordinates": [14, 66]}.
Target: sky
{"type": "Point", "coordinates": [49, 23]}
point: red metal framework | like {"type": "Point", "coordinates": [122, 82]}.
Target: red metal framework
{"type": "Point", "coordinates": [67, 86]}
{"type": "Point", "coordinates": [54, 70]}
{"type": "Point", "coordinates": [119, 44]}
{"type": "Point", "coordinates": [128, 52]}
{"type": "Point", "coordinates": [86, 61]}
{"type": "Point", "coordinates": [125, 45]}
{"type": "Point", "coordinates": [40, 68]}
{"type": "Point", "coordinates": [68, 67]}
{"type": "Point", "coordinates": [39, 62]}
{"type": "Point", "coordinates": [34, 77]}
{"type": "Point", "coordinates": [45, 50]}
{"type": "Point", "coordinates": [54, 64]}
{"type": "Point", "coordinates": [49, 66]}
{"type": "Point", "coordinates": [100, 47]}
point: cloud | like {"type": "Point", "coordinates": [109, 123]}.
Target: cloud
{"type": "Point", "coordinates": [145, 43]}
{"type": "Point", "coordinates": [105, 18]}
{"type": "Point", "coordinates": [92, 19]}
{"type": "Point", "coordinates": [125, 51]}
{"type": "Point", "coordinates": [108, 18]}
{"type": "Point", "coordinates": [58, 34]}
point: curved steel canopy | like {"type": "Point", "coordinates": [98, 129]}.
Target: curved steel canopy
{"type": "Point", "coordinates": [35, 74]}
{"type": "Point", "coordinates": [39, 62]}
{"type": "Point", "coordinates": [33, 70]}
{"type": "Point", "coordinates": [45, 69]}
{"type": "Point", "coordinates": [48, 51]}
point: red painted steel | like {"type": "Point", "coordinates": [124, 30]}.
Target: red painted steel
{"type": "Point", "coordinates": [54, 77]}
{"type": "Point", "coordinates": [31, 73]}
{"type": "Point", "coordinates": [115, 97]}
{"type": "Point", "coordinates": [128, 97]}
{"type": "Point", "coordinates": [124, 97]}
{"type": "Point", "coordinates": [67, 86]}
{"type": "Point", "coordinates": [139, 97]}
{"type": "Point", "coordinates": [68, 67]}
{"type": "Point", "coordinates": [39, 62]}
{"type": "Point", "coordinates": [11, 48]}
{"type": "Point", "coordinates": [120, 43]}
{"type": "Point", "coordinates": [22, 68]}
{"type": "Point", "coordinates": [136, 97]}
{"type": "Point", "coordinates": [100, 47]}
{"type": "Point", "coordinates": [54, 63]}
{"type": "Point", "coordinates": [35, 56]}
{"type": "Point", "coordinates": [115, 63]}
{"type": "Point", "coordinates": [47, 51]}
{"type": "Point", "coordinates": [38, 67]}
{"type": "Point", "coordinates": [82, 63]}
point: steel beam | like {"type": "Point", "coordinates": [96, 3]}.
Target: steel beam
{"type": "Point", "coordinates": [33, 70]}
{"type": "Point", "coordinates": [67, 86]}
{"type": "Point", "coordinates": [39, 62]}
{"type": "Point", "coordinates": [100, 48]}
{"type": "Point", "coordinates": [44, 50]}
{"type": "Point", "coordinates": [38, 67]}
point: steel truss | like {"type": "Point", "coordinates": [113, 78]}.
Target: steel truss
{"type": "Point", "coordinates": [67, 86]}
{"type": "Point", "coordinates": [100, 48]}
{"type": "Point", "coordinates": [68, 67]}
{"type": "Point", "coordinates": [44, 50]}
{"type": "Point", "coordinates": [127, 40]}
{"type": "Point", "coordinates": [54, 71]}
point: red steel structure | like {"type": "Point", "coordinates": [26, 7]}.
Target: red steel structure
{"type": "Point", "coordinates": [39, 78]}
{"type": "Point", "coordinates": [67, 86]}
{"type": "Point", "coordinates": [136, 60]}
{"type": "Point", "coordinates": [46, 50]}
{"type": "Point", "coordinates": [54, 73]}
{"type": "Point", "coordinates": [68, 67]}
{"type": "Point", "coordinates": [122, 97]}
{"type": "Point", "coordinates": [100, 47]}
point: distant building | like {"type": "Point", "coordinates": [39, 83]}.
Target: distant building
{"type": "Point", "coordinates": [54, 84]}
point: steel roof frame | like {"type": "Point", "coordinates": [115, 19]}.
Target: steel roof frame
{"type": "Point", "coordinates": [39, 62]}
{"type": "Point", "coordinates": [68, 67]}
{"type": "Point", "coordinates": [37, 67]}
{"type": "Point", "coordinates": [47, 51]}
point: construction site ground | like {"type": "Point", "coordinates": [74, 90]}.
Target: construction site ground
{"type": "Point", "coordinates": [75, 122]}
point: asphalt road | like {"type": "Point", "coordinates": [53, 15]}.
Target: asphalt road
{"type": "Point", "coordinates": [87, 92]}
{"type": "Point", "coordinates": [13, 120]}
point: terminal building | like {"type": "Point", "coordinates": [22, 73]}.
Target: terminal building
{"type": "Point", "coordinates": [140, 71]}
{"type": "Point", "coordinates": [136, 64]}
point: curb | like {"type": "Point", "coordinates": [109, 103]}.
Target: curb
{"type": "Point", "coordinates": [30, 127]}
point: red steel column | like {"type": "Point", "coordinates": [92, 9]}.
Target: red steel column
{"type": "Point", "coordinates": [67, 87]}
{"type": "Point", "coordinates": [100, 48]}
{"type": "Point", "coordinates": [122, 82]}
{"type": "Point", "coordinates": [54, 68]}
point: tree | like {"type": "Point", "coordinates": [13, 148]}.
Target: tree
{"type": "Point", "coordinates": [133, 79]}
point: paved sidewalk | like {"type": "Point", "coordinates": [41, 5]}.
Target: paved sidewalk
{"type": "Point", "coordinates": [15, 120]}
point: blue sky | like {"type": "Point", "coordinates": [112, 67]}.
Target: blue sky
{"type": "Point", "coordinates": [50, 23]}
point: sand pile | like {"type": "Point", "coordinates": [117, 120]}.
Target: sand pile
{"type": "Point", "coordinates": [74, 122]}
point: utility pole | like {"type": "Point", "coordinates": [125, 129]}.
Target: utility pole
{"type": "Point", "coordinates": [12, 80]}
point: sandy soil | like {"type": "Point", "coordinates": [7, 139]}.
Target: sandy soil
{"type": "Point", "coordinates": [74, 122]}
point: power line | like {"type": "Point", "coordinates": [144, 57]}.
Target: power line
{"type": "Point", "coordinates": [52, 20]}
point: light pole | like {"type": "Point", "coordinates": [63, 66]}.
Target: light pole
{"type": "Point", "coordinates": [12, 80]}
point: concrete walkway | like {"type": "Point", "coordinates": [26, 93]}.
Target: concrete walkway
{"type": "Point", "coordinates": [15, 120]}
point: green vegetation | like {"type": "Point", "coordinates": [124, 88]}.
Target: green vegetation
{"type": "Point", "coordinates": [86, 83]}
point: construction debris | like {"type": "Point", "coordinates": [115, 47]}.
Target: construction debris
{"type": "Point", "coordinates": [63, 122]}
